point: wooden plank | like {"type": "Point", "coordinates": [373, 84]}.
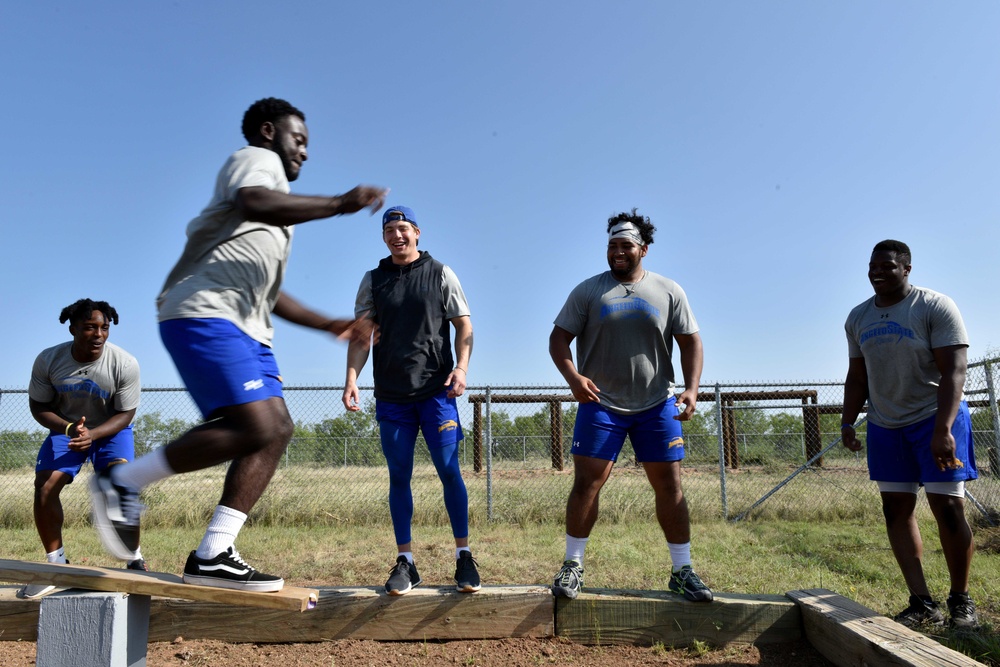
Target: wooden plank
{"type": "Point", "coordinates": [342, 613]}
{"type": "Point", "coordinates": [604, 616]}
{"type": "Point", "coordinates": [849, 634]}
{"type": "Point", "coordinates": [151, 583]}
{"type": "Point", "coordinates": [18, 618]}
{"type": "Point", "coordinates": [368, 613]}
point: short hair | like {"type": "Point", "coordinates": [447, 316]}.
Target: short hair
{"type": "Point", "coordinates": [901, 249]}
{"type": "Point", "coordinates": [646, 227]}
{"type": "Point", "coordinates": [82, 309]}
{"type": "Point", "coordinates": [267, 110]}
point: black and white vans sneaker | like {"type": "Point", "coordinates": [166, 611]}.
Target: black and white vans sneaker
{"type": "Point", "coordinates": [229, 570]}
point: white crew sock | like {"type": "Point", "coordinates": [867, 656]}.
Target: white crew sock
{"type": "Point", "coordinates": [143, 471]}
{"type": "Point", "coordinates": [408, 554]}
{"type": "Point", "coordinates": [459, 550]}
{"type": "Point", "coordinates": [221, 533]}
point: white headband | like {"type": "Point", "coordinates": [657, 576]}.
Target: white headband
{"type": "Point", "coordinates": [626, 230]}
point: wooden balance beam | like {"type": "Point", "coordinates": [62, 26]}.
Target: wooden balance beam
{"type": "Point", "coordinates": [289, 598]}
{"type": "Point", "coordinates": [106, 621]}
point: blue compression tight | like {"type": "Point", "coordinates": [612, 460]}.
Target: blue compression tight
{"type": "Point", "coordinates": [399, 457]}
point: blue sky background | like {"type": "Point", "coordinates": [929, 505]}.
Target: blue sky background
{"type": "Point", "coordinates": [772, 143]}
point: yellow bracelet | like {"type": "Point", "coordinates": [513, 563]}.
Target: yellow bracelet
{"type": "Point", "coordinates": [68, 427]}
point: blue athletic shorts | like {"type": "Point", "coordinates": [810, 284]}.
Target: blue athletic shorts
{"type": "Point", "coordinates": [55, 453]}
{"type": "Point", "coordinates": [904, 454]}
{"type": "Point", "coordinates": [654, 433]}
{"type": "Point", "coordinates": [436, 417]}
{"type": "Point", "coordinates": [219, 364]}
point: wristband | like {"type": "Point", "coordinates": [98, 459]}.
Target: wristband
{"type": "Point", "coordinates": [68, 427]}
{"type": "Point", "coordinates": [459, 368]}
{"type": "Point", "coordinates": [843, 426]}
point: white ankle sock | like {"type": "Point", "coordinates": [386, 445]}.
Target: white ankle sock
{"type": "Point", "coordinates": [57, 556]}
{"type": "Point", "coordinates": [575, 547]}
{"type": "Point", "coordinates": [680, 555]}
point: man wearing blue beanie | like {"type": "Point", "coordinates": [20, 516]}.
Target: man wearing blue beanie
{"type": "Point", "coordinates": [415, 300]}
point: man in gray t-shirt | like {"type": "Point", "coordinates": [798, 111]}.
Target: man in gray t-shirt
{"type": "Point", "coordinates": [215, 320]}
{"type": "Point", "coordinates": [907, 347]}
{"type": "Point", "coordinates": [625, 322]}
{"type": "Point", "coordinates": [85, 393]}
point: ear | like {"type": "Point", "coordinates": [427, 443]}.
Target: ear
{"type": "Point", "coordinates": [267, 131]}
{"type": "Point", "coordinates": [645, 249]}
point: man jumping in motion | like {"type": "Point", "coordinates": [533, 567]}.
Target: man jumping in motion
{"type": "Point", "coordinates": [215, 321]}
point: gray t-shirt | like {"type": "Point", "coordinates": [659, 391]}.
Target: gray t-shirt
{"type": "Point", "coordinates": [624, 341]}
{"type": "Point", "coordinates": [897, 345]}
{"type": "Point", "coordinates": [95, 389]}
{"type": "Point", "coordinates": [231, 267]}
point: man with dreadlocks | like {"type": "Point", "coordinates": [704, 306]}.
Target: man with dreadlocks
{"type": "Point", "coordinates": [85, 392]}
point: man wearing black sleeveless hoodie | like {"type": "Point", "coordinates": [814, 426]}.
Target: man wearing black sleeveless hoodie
{"type": "Point", "coordinates": [415, 300]}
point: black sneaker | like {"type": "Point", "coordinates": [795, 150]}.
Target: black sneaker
{"type": "Point", "coordinates": [137, 564]}
{"type": "Point", "coordinates": [963, 611]}
{"type": "Point", "coordinates": [116, 515]}
{"type": "Point", "coordinates": [466, 573]}
{"type": "Point", "coordinates": [402, 577]}
{"type": "Point", "coordinates": [685, 582]}
{"type": "Point", "coordinates": [228, 570]}
{"type": "Point", "coordinates": [569, 581]}
{"type": "Point", "coordinates": [920, 612]}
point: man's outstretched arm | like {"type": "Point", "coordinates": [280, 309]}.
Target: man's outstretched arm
{"type": "Point", "coordinates": [279, 208]}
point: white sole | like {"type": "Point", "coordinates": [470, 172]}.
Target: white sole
{"type": "Point", "coordinates": [269, 587]}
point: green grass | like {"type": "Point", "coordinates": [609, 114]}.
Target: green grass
{"type": "Point", "coordinates": [330, 527]}
{"type": "Point", "coordinates": [773, 557]}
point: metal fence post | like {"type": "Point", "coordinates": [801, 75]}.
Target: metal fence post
{"type": "Point", "coordinates": [489, 457]}
{"type": "Point", "coordinates": [995, 413]}
{"type": "Point", "coordinates": [722, 452]}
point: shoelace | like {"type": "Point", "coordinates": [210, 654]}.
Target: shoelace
{"type": "Point", "coordinates": [235, 555]}
{"type": "Point", "coordinates": [395, 569]}
{"type": "Point", "coordinates": [567, 574]}
{"type": "Point", "coordinates": [963, 607]}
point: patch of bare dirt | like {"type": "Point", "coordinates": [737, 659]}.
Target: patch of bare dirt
{"type": "Point", "coordinates": [480, 653]}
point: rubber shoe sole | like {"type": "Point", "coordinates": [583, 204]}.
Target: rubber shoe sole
{"type": "Point", "coordinates": [229, 570]}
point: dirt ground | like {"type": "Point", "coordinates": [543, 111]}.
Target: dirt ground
{"type": "Point", "coordinates": [497, 653]}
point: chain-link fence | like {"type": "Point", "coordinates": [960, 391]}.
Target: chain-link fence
{"type": "Point", "coordinates": [753, 451]}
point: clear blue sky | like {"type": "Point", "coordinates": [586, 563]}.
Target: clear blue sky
{"type": "Point", "coordinates": [772, 143]}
